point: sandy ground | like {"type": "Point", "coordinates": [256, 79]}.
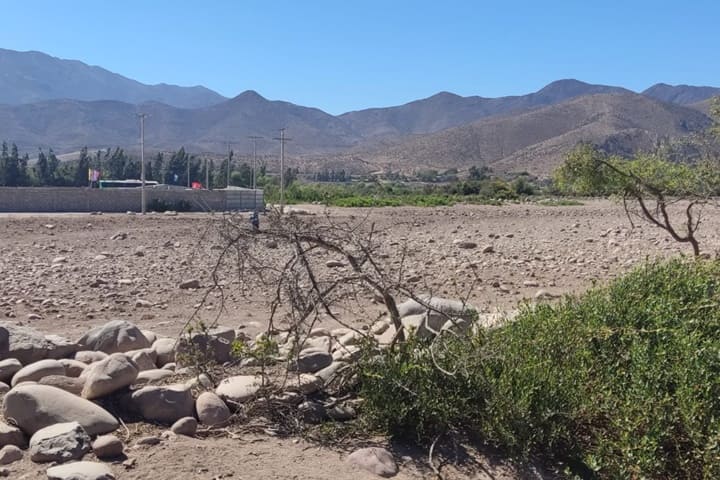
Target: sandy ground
{"type": "Point", "coordinates": [66, 273]}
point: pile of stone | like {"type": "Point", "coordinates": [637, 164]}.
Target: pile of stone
{"type": "Point", "coordinates": [54, 390]}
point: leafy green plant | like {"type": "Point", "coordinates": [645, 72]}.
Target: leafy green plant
{"type": "Point", "coordinates": [621, 382]}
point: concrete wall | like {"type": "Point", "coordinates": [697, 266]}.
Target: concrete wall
{"type": "Point", "coordinates": [71, 199]}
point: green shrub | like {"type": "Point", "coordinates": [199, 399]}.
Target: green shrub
{"type": "Point", "coordinates": [622, 381]}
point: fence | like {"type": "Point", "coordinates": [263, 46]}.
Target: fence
{"type": "Point", "coordinates": [72, 199]}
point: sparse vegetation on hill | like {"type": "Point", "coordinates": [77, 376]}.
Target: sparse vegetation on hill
{"type": "Point", "coordinates": [620, 382]}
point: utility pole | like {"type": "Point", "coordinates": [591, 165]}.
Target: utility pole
{"type": "Point", "coordinates": [188, 170]}
{"type": "Point", "coordinates": [254, 139]}
{"type": "Point", "coordinates": [282, 140]}
{"type": "Point", "coordinates": [142, 162]}
{"type": "Point", "coordinates": [230, 155]}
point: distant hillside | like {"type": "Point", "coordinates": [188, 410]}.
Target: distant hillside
{"type": "Point", "coordinates": [446, 110]}
{"type": "Point", "coordinates": [536, 140]}
{"type": "Point", "coordinates": [68, 124]}
{"type": "Point", "coordinates": [681, 94]}
{"type": "Point", "coordinates": [29, 77]}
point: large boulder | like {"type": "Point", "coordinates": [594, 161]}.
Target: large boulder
{"type": "Point", "coordinates": [239, 389]}
{"type": "Point", "coordinates": [211, 410]}
{"type": "Point", "coordinates": [69, 384]}
{"type": "Point", "coordinates": [164, 404]}
{"type": "Point", "coordinates": [59, 443]}
{"type": "Point", "coordinates": [109, 375]}
{"type": "Point", "coordinates": [36, 371]}
{"type": "Point", "coordinates": [312, 360]}
{"type": "Point", "coordinates": [451, 308]}
{"type": "Point", "coordinates": [73, 368]}
{"type": "Point", "coordinates": [165, 350]}
{"type": "Point", "coordinates": [32, 407]}
{"type": "Point", "coordinates": [214, 345]}
{"type": "Point", "coordinates": [115, 336]}
{"type": "Point", "coordinates": [375, 460]}
{"type": "Point", "coordinates": [80, 471]}
{"type": "Point", "coordinates": [8, 368]}
{"type": "Point", "coordinates": [28, 345]}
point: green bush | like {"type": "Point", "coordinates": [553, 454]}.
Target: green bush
{"type": "Point", "coordinates": [621, 382]}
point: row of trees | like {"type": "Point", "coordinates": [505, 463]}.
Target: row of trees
{"type": "Point", "coordinates": [176, 168]}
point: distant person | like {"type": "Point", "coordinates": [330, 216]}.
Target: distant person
{"type": "Point", "coordinates": [255, 221]}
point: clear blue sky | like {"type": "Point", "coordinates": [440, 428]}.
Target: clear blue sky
{"type": "Point", "coordinates": [343, 55]}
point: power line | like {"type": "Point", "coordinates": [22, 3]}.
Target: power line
{"type": "Point", "coordinates": [282, 140]}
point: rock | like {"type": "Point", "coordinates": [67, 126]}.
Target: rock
{"type": "Point", "coordinates": [312, 412]}
{"type": "Point", "coordinates": [59, 443]}
{"type": "Point", "coordinates": [164, 404]}
{"type": "Point", "coordinates": [73, 368]}
{"type": "Point", "coordinates": [10, 435]}
{"type": "Point", "coordinates": [185, 426]}
{"type": "Point", "coordinates": [375, 460]}
{"type": "Point", "coordinates": [80, 471]}
{"type": "Point", "coordinates": [271, 244]}
{"type": "Point", "coordinates": [143, 360]}
{"type": "Point", "coordinates": [341, 413]}
{"type": "Point", "coordinates": [311, 360]}
{"type": "Point", "coordinates": [8, 368]}
{"type": "Point", "coordinates": [32, 407]}
{"type": "Point", "coordinates": [329, 372]}
{"type": "Point", "coordinates": [165, 350]}
{"type": "Point", "coordinates": [152, 376]}
{"type": "Point", "coordinates": [350, 338]}
{"type": "Point", "coordinates": [488, 249]}
{"type": "Point", "coordinates": [347, 354]}
{"type": "Point", "coordinates": [28, 345]}
{"type": "Point", "coordinates": [107, 446]}
{"type": "Point", "coordinates": [465, 244]}
{"type": "Point", "coordinates": [109, 375]}
{"type": "Point", "coordinates": [320, 342]}
{"type": "Point", "coordinates": [215, 345]}
{"type": "Point", "coordinates": [239, 389]}
{"type": "Point", "coordinates": [10, 454]}
{"type": "Point", "coordinates": [187, 284]}
{"type": "Point", "coordinates": [36, 371]}
{"type": "Point", "coordinates": [69, 384]}
{"type": "Point", "coordinates": [211, 410]}
{"type": "Point", "coordinates": [4, 388]}
{"type": "Point", "coordinates": [4, 341]}
{"type": "Point", "coordinates": [61, 347]}
{"type": "Point", "coordinates": [114, 336]}
{"type": "Point", "coordinates": [149, 440]}
{"type": "Point", "coordinates": [304, 383]}
{"type": "Point", "coordinates": [89, 357]}
{"type": "Point", "coordinates": [334, 264]}
{"type": "Point", "coordinates": [151, 336]}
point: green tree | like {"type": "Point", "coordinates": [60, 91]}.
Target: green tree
{"type": "Point", "coordinates": [41, 169]}
{"type": "Point", "coordinates": [80, 177]}
{"type": "Point", "coordinates": [53, 163]}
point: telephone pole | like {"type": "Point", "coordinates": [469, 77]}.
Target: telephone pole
{"type": "Point", "coordinates": [254, 138]}
{"type": "Point", "coordinates": [230, 155]}
{"type": "Point", "coordinates": [142, 161]}
{"type": "Point", "coordinates": [282, 140]}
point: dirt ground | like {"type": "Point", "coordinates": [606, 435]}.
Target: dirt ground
{"type": "Point", "coordinates": [64, 274]}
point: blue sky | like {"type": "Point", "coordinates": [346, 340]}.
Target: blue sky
{"type": "Point", "coordinates": [344, 55]}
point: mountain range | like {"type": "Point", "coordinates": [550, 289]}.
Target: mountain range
{"type": "Point", "coordinates": [65, 104]}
